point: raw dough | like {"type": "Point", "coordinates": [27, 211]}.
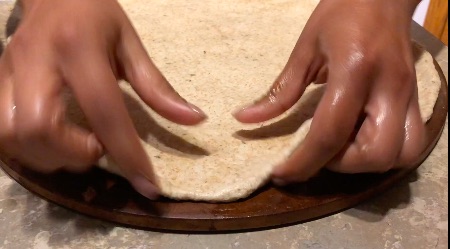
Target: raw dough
{"type": "Point", "coordinates": [219, 55]}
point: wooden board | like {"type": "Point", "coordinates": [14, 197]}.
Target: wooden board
{"type": "Point", "coordinates": [108, 197]}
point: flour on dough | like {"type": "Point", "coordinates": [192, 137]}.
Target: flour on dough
{"type": "Point", "coordinates": [219, 54]}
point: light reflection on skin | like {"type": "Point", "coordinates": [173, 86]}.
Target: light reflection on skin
{"type": "Point", "coordinates": [280, 85]}
{"type": "Point", "coordinates": [142, 71]}
{"type": "Point", "coordinates": [382, 115]}
{"type": "Point", "coordinates": [354, 58]}
{"type": "Point", "coordinates": [338, 95]}
{"type": "Point", "coordinates": [408, 127]}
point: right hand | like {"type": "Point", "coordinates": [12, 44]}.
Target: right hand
{"type": "Point", "coordinates": [87, 45]}
{"type": "Point", "coordinates": [368, 119]}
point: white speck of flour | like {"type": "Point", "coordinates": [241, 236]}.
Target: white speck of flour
{"type": "Point", "coordinates": [41, 240]}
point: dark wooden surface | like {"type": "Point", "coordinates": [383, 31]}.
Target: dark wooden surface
{"type": "Point", "coordinates": [108, 197]}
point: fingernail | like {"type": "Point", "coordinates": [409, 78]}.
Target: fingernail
{"type": "Point", "coordinates": [238, 110]}
{"type": "Point", "coordinates": [279, 182]}
{"type": "Point", "coordinates": [197, 110]}
{"type": "Point", "coordinates": [145, 187]}
{"type": "Point", "coordinates": [95, 145]}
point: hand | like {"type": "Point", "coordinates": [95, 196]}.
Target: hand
{"type": "Point", "coordinates": [86, 45]}
{"type": "Point", "coordinates": [368, 119]}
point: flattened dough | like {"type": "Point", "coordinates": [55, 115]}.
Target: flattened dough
{"type": "Point", "coordinates": [219, 55]}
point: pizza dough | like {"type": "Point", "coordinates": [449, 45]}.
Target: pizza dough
{"type": "Point", "coordinates": [219, 55]}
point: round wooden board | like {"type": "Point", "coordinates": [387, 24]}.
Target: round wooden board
{"type": "Point", "coordinates": [106, 196]}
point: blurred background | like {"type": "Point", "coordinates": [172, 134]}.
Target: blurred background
{"type": "Point", "coordinates": [433, 15]}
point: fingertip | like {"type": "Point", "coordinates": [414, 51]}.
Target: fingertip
{"type": "Point", "coordinates": [248, 114]}
{"type": "Point", "coordinates": [238, 113]}
{"type": "Point", "coordinates": [200, 115]}
{"type": "Point", "coordinates": [290, 172]}
{"type": "Point", "coordinates": [279, 176]}
{"type": "Point", "coordinates": [179, 111]}
{"type": "Point", "coordinates": [189, 115]}
{"type": "Point", "coordinates": [279, 182]}
{"type": "Point", "coordinates": [95, 146]}
{"type": "Point", "coordinates": [145, 187]}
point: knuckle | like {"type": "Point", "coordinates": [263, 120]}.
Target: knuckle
{"type": "Point", "coordinates": [68, 36]}
{"type": "Point", "coordinates": [330, 137]}
{"type": "Point", "coordinates": [361, 59]}
{"type": "Point", "coordinates": [36, 128]}
{"type": "Point", "coordinates": [329, 141]}
{"type": "Point", "coordinates": [283, 94]}
{"type": "Point", "coordinates": [280, 103]}
{"type": "Point", "coordinates": [368, 60]}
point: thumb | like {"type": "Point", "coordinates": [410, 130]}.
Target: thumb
{"type": "Point", "coordinates": [78, 149]}
{"type": "Point", "coordinates": [284, 93]}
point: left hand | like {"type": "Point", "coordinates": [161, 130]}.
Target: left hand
{"type": "Point", "coordinates": [363, 49]}
{"type": "Point", "coordinates": [85, 46]}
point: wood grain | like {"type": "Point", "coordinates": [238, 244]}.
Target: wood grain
{"type": "Point", "coordinates": [109, 197]}
{"type": "Point", "coordinates": [436, 20]}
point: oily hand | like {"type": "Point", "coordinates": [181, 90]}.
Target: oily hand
{"type": "Point", "coordinates": [368, 119]}
{"type": "Point", "coordinates": [86, 46]}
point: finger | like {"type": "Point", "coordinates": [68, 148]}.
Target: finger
{"type": "Point", "coordinates": [380, 139]}
{"type": "Point", "coordinates": [332, 124]}
{"type": "Point", "coordinates": [46, 140]}
{"type": "Point", "coordinates": [8, 144]}
{"type": "Point", "coordinates": [376, 147]}
{"type": "Point", "coordinates": [30, 114]}
{"type": "Point", "coordinates": [101, 100]}
{"type": "Point", "coordinates": [77, 148]}
{"type": "Point", "coordinates": [151, 86]}
{"type": "Point", "coordinates": [285, 91]}
{"type": "Point", "coordinates": [322, 76]}
{"type": "Point", "coordinates": [415, 136]}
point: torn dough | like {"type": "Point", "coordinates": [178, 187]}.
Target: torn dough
{"type": "Point", "coordinates": [219, 54]}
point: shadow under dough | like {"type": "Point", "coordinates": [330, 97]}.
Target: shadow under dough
{"type": "Point", "coordinates": [146, 126]}
{"type": "Point", "coordinates": [290, 123]}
